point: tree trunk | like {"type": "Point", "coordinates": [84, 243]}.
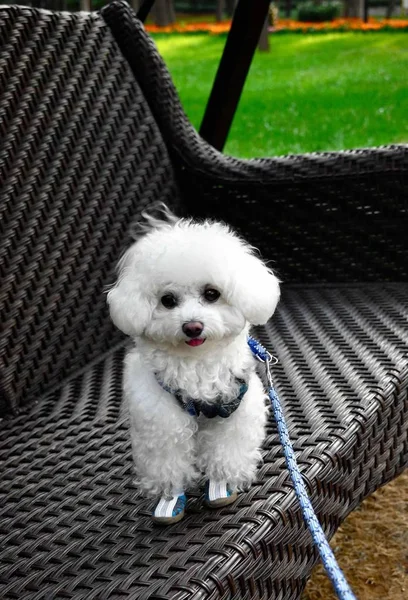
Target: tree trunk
{"type": "Point", "coordinates": [163, 12]}
{"type": "Point", "coordinates": [366, 10]}
{"type": "Point", "coordinates": [171, 11]}
{"type": "Point", "coordinates": [219, 10]}
{"type": "Point", "coordinates": [356, 8]}
{"type": "Point", "coordinates": [390, 9]}
{"type": "Point", "coordinates": [230, 7]}
{"type": "Point", "coordinates": [85, 5]}
{"type": "Point", "coordinates": [263, 43]}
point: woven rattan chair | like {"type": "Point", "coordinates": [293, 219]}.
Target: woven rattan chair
{"type": "Point", "coordinates": [92, 132]}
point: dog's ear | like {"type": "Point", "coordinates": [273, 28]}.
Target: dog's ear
{"type": "Point", "coordinates": [255, 290]}
{"type": "Point", "coordinates": [129, 305]}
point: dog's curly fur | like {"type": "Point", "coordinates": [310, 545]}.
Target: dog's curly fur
{"type": "Point", "coordinates": [183, 258]}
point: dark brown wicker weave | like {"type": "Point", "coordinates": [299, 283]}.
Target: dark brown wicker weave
{"type": "Point", "coordinates": [91, 132]}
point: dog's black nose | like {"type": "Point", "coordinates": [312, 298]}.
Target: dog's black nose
{"type": "Point", "coordinates": [193, 329]}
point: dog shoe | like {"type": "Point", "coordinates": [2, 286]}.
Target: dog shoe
{"type": "Point", "coordinates": [219, 493]}
{"type": "Point", "coordinates": [170, 510]}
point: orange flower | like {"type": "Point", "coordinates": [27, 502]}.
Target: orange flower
{"type": "Point", "coordinates": [350, 24]}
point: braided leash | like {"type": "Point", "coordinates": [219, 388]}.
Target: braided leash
{"type": "Point", "coordinates": [333, 570]}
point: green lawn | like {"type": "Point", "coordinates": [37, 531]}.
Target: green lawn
{"type": "Point", "coordinates": [311, 92]}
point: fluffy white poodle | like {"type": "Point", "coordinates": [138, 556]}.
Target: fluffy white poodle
{"type": "Point", "coordinates": [187, 293]}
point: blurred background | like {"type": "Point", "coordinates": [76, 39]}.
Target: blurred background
{"type": "Point", "coordinates": [327, 75]}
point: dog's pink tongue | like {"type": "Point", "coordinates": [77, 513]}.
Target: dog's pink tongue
{"type": "Point", "coordinates": [196, 342]}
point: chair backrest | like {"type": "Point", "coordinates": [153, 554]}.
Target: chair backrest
{"type": "Point", "coordinates": [80, 157]}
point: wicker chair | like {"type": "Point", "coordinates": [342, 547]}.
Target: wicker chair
{"type": "Point", "coordinates": [92, 132]}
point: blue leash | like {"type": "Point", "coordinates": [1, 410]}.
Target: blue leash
{"type": "Point", "coordinates": [333, 570]}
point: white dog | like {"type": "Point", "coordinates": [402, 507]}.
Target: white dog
{"type": "Point", "coordinates": [187, 293]}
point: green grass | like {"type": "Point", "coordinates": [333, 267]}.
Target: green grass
{"type": "Point", "coordinates": [310, 93]}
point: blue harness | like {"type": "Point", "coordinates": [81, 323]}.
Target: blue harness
{"type": "Point", "coordinates": [221, 407]}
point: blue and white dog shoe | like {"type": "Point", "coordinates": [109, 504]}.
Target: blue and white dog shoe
{"type": "Point", "coordinates": [219, 493]}
{"type": "Point", "coordinates": [170, 510]}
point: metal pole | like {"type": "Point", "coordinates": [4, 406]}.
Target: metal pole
{"type": "Point", "coordinates": [246, 27]}
{"type": "Point", "coordinates": [144, 10]}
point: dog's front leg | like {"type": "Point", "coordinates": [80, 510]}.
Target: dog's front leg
{"type": "Point", "coordinates": [162, 434]}
{"type": "Point", "coordinates": [229, 449]}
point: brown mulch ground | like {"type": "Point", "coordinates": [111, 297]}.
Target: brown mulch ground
{"type": "Point", "coordinates": [372, 548]}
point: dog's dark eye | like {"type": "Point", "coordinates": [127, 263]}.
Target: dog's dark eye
{"type": "Point", "coordinates": [211, 295]}
{"type": "Point", "coordinates": [169, 300]}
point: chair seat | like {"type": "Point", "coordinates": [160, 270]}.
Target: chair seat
{"type": "Point", "coordinates": [74, 526]}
